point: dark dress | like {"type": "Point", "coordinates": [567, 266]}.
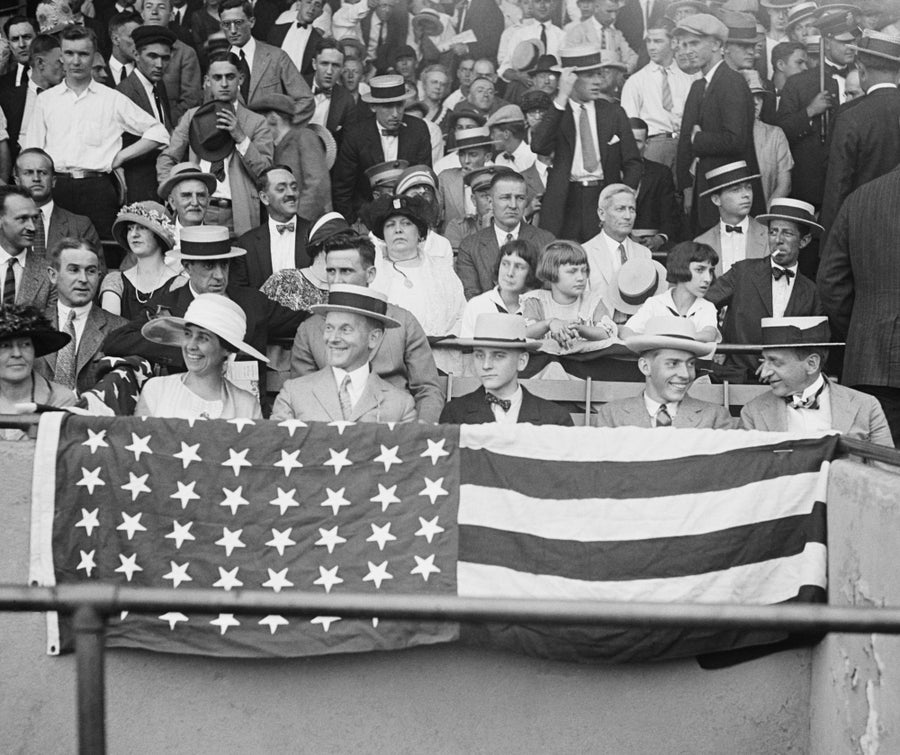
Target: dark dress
{"type": "Point", "coordinates": [135, 304]}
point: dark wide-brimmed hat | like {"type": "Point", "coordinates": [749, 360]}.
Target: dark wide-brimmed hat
{"type": "Point", "coordinates": [203, 243]}
{"type": "Point", "coordinates": [794, 332]}
{"type": "Point", "coordinates": [670, 332]}
{"type": "Point", "coordinates": [328, 226]}
{"type": "Point", "coordinates": [207, 140]}
{"type": "Point", "coordinates": [186, 172]}
{"type": "Point", "coordinates": [150, 215]}
{"type": "Point", "coordinates": [545, 64]}
{"type": "Point", "coordinates": [792, 209]}
{"type": "Point", "coordinates": [25, 321]}
{"type": "Point", "coordinates": [727, 175]}
{"type": "Point", "coordinates": [497, 330]}
{"type": "Point", "coordinates": [385, 208]}
{"type": "Point", "coordinates": [357, 300]}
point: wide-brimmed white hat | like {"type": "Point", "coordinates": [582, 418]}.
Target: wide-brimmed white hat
{"type": "Point", "coordinates": [636, 281]}
{"type": "Point", "coordinates": [357, 300]}
{"type": "Point", "coordinates": [497, 330]}
{"type": "Point", "coordinates": [670, 332]}
{"type": "Point", "coordinates": [216, 313]}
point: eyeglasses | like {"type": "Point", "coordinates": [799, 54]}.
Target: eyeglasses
{"type": "Point", "coordinates": [236, 24]}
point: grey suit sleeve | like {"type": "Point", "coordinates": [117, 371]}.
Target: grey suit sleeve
{"type": "Point", "coordinates": [604, 417]}
{"type": "Point", "coordinates": [879, 430]}
{"type": "Point", "coordinates": [421, 373]}
{"type": "Point", "coordinates": [747, 420]}
{"type": "Point", "coordinates": [724, 421]}
{"type": "Point", "coordinates": [189, 92]}
{"type": "Point", "coordinates": [177, 150]}
{"type": "Point", "coordinates": [282, 409]}
{"type": "Point", "coordinates": [465, 267]}
{"type": "Point", "coordinates": [303, 361]}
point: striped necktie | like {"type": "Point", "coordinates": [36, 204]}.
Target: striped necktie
{"type": "Point", "coordinates": [344, 398]}
{"type": "Point", "coordinates": [65, 359]}
{"type": "Point", "coordinates": [9, 281]}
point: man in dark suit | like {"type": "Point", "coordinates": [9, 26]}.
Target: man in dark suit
{"type": "Point", "coordinates": [384, 32]}
{"type": "Point", "coordinates": [591, 143]}
{"type": "Point", "coordinates": [280, 242]}
{"type": "Point", "coordinates": [500, 353]}
{"type": "Point", "coordinates": [385, 136]}
{"type": "Point", "coordinates": [657, 207]}
{"type": "Point", "coordinates": [479, 253]}
{"type": "Point", "coordinates": [19, 31]}
{"type": "Point", "coordinates": [767, 287]}
{"type": "Point", "coordinates": [865, 136]}
{"type": "Point", "coordinates": [300, 39]}
{"type": "Point", "coordinates": [717, 127]}
{"type": "Point", "coordinates": [335, 106]}
{"type": "Point", "coordinates": [180, 20]}
{"type": "Point", "coordinates": [485, 18]}
{"type": "Point", "coordinates": [23, 268]}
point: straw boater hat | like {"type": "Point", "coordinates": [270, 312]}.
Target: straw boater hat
{"type": "Point", "coordinates": [703, 25]}
{"type": "Point", "coordinates": [25, 321]}
{"type": "Point", "coordinates": [470, 138]}
{"type": "Point", "coordinates": [357, 300]}
{"type": "Point", "coordinates": [727, 175]}
{"type": "Point", "coordinates": [526, 54]}
{"type": "Point", "coordinates": [792, 209]}
{"type": "Point", "coordinates": [586, 58]}
{"type": "Point", "coordinates": [216, 313]}
{"type": "Point", "coordinates": [207, 242]}
{"type": "Point", "coordinates": [428, 22]}
{"type": "Point", "coordinates": [670, 332]}
{"type": "Point", "coordinates": [186, 172]}
{"type": "Point", "coordinates": [800, 12]}
{"type": "Point", "coordinates": [416, 175]}
{"type": "Point", "coordinates": [790, 332]}
{"type": "Point", "coordinates": [695, 6]}
{"type": "Point", "coordinates": [880, 45]}
{"type": "Point", "coordinates": [386, 174]}
{"type": "Point", "coordinates": [777, 4]}
{"type": "Point", "coordinates": [385, 90]}
{"type": "Point", "coordinates": [636, 281]}
{"type": "Point", "coordinates": [152, 216]}
{"type": "Point", "coordinates": [495, 330]}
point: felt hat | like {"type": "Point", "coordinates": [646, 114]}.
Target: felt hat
{"type": "Point", "coordinates": [152, 34]}
{"type": "Point", "coordinates": [800, 12]}
{"type": "Point", "coordinates": [151, 215]}
{"type": "Point", "coordinates": [496, 330]}
{"type": "Point", "coordinates": [464, 110]}
{"type": "Point", "coordinates": [506, 114]}
{"type": "Point", "coordinates": [385, 90]}
{"type": "Point", "coordinates": [471, 138]}
{"type": "Point", "coordinates": [670, 332]}
{"type": "Point", "coordinates": [580, 59]}
{"type": "Point", "coordinates": [838, 23]}
{"type": "Point", "coordinates": [535, 99]}
{"type": "Point", "coordinates": [790, 332]}
{"type": "Point", "coordinates": [385, 208]}
{"type": "Point", "coordinates": [741, 27]}
{"type": "Point", "coordinates": [526, 54]}
{"type": "Point", "coordinates": [26, 321]}
{"type": "Point", "coordinates": [880, 45]}
{"type": "Point", "coordinates": [273, 102]}
{"type": "Point", "coordinates": [213, 312]}
{"type": "Point", "coordinates": [186, 172]}
{"type": "Point", "coordinates": [703, 25]}
{"type": "Point", "coordinates": [207, 140]}
{"type": "Point", "coordinates": [694, 6]}
{"type": "Point", "coordinates": [357, 300]}
{"type": "Point", "coordinates": [636, 281]}
{"type": "Point", "coordinates": [727, 175]}
{"type": "Point", "coordinates": [428, 22]}
{"type": "Point", "coordinates": [791, 209]}
{"type": "Point", "coordinates": [406, 51]}
{"type": "Point", "coordinates": [207, 242]}
{"type": "Point", "coordinates": [328, 143]}
{"type": "Point", "coordinates": [386, 173]}
{"type": "Point", "coordinates": [544, 64]}
{"type": "Point", "coordinates": [416, 175]}
{"type": "Point", "coordinates": [326, 227]}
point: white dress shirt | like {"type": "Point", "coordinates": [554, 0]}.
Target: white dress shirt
{"type": "Point", "coordinates": [358, 379]}
{"type": "Point", "coordinates": [323, 108]}
{"type": "Point", "coordinates": [577, 171]}
{"type": "Point", "coordinates": [502, 235]}
{"type": "Point", "coordinates": [249, 51]}
{"type": "Point", "coordinates": [282, 246]}
{"type": "Point", "coordinates": [653, 408]}
{"type": "Point", "coordinates": [809, 421]}
{"type": "Point", "coordinates": [115, 68]}
{"type": "Point", "coordinates": [18, 268]}
{"type": "Point", "coordinates": [81, 315]}
{"type": "Point", "coordinates": [511, 416]}
{"type": "Point", "coordinates": [522, 158]}
{"type": "Point", "coordinates": [642, 97]}
{"type": "Point", "coordinates": [734, 245]}
{"type": "Point", "coordinates": [389, 144]}
{"type": "Point", "coordinates": [530, 28]}
{"type": "Point", "coordinates": [295, 42]}
{"type": "Point", "coordinates": [346, 20]}
{"type": "Point", "coordinates": [781, 291]}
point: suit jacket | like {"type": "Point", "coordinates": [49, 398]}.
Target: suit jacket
{"type": "Point", "coordinates": [314, 398]}
{"type": "Point", "coordinates": [276, 38]}
{"type": "Point", "coordinates": [243, 170]}
{"type": "Point", "coordinates": [361, 149]}
{"type": "Point", "coordinates": [630, 21]}
{"type": "Point", "coordinates": [342, 113]}
{"type": "Point", "coordinates": [479, 253]}
{"type": "Point", "coordinates": [601, 264]}
{"type": "Point", "coordinates": [485, 18]}
{"type": "Point", "coordinates": [35, 287]}
{"type": "Point", "coordinates": [12, 102]}
{"type": "Point", "coordinates": [632, 412]}
{"type": "Point", "coordinates": [64, 223]}
{"type": "Point", "coordinates": [473, 409]}
{"type": "Point", "coordinates": [657, 206]}
{"type": "Point", "coordinates": [452, 192]}
{"type": "Point", "coordinates": [303, 152]}
{"type": "Point", "coordinates": [99, 324]}
{"type": "Point", "coordinates": [395, 37]}
{"type": "Point", "coordinates": [757, 245]}
{"type": "Point", "coordinates": [403, 359]}
{"type": "Point", "coordinates": [864, 145]}
{"type": "Point", "coordinates": [854, 414]}
{"type": "Point", "coordinates": [255, 268]}
{"type": "Point", "coordinates": [555, 135]}
{"type": "Point", "coordinates": [140, 173]}
{"type": "Point", "coordinates": [182, 80]}
{"type": "Point", "coordinates": [273, 72]}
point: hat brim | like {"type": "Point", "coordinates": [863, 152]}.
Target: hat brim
{"type": "Point", "coordinates": [165, 188]}
{"type": "Point", "coordinates": [809, 345]}
{"type": "Point", "coordinates": [44, 341]}
{"type": "Point", "coordinates": [489, 144]}
{"type": "Point", "coordinates": [875, 53]}
{"type": "Point", "coordinates": [644, 343]}
{"type": "Point", "coordinates": [615, 298]}
{"type": "Point", "coordinates": [169, 331]}
{"type": "Point", "coordinates": [777, 216]}
{"type": "Point", "coordinates": [231, 254]}
{"type": "Point", "coordinates": [529, 344]}
{"type": "Point", "coordinates": [324, 309]}
{"type": "Point", "coordinates": [732, 182]}
{"type": "Point", "coordinates": [328, 142]}
{"type": "Point", "coordinates": [120, 231]}
{"type": "Point", "coordinates": [368, 98]}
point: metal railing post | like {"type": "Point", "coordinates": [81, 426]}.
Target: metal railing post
{"type": "Point", "coordinates": [90, 627]}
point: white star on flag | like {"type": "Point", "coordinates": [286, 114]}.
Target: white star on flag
{"type": "Point", "coordinates": [292, 425]}
{"type": "Point", "coordinates": [433, 489]}
{"type": "Point", "coordinates": [139, 446]}
{"type": "Point", "coordinates": [285, 500]}
{"type": "Point", "coordinates": [338, 460]}
{"type": "Point", "coordinates": [380, 535]}
{"type": "Point", "coordinates": [435, 451]}
{"type": "Point", "coordinates": [180, 533]}
{"type": "Point", "coordinates": [325, 621]}
{"type": "Point", "coordinates": [237, 460]}
{"type": "Point", "coordinates": [388, 457]}
{"type": "Point", "coordinates": [87, 562]}
{"type": "Point", "coordinates": [230, 540]}
{"type": "Point", "coordinates": [136, 485]}
{"type": "Point", "coordinates": [88, 520]}
{"type": "Point", "coordinates": [96, 440]}
{"type": "Point", "coordinates": [277, 580]}
{"type": "Point", "coordinates": [128, 566]}
{"type": "Point", "coordinates": [240, 423]}
{"type": "Point", "coordinates": [185, 494]}
{"type": "Point", "coordinates": [289, 462]}
{"type": "Point", "coordinates": [228, 579]}
{"type": "Point", "coordinates": [385, 496]}
{"type": "Point", "coordinates": [328, 578]}
{"type": "Point", "coordinates": [429, 528]}
{"type": "Point", "coordinates": [188, 454]}
{"type": "Point", "coordinates": [131, 524]}
{"type": "Point", "coordinates": [335, 499]}
{"type": "Point", "coordinates": [225, 621]}
{"type": "Point", "coordinates": [281, 539]}
{"type": "Point", "coordinates": [123, 615]}
{"type": "Point", "coordinates": [425, 567]}
{"type": "Point", "coordinates": [341, 425]}
{"type": "Point", "coordinates": [330, 538]}
{"type": "Point", "coordinates": [178, 573]}
{"type": "Point", "coordinates": [233, 499]}
{"type": "Point", "coordinates": [173, 617]}
{"type": "Point", "coordinates": [273, 622]}
{"type": "Point", "coordinates": [90, 480]}
{"type": "Point", "coordinates": [377, 574]}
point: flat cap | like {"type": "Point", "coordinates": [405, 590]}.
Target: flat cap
{"type": "Point", "coordinates": [703, 25]}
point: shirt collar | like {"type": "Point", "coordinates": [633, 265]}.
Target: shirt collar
{"type": "Point", "coordinates": [249, 50]}
{"type": "Point", "coordinates": [611, 242]}
{"type": "Point", "coordinates": [148, 85]}
{"type": "Point", "coordinates": [515, 399]}
{"type": "Point", "coordinates": [653, 406]}
{"type": "Point", "coordinates": [358, 377]}
{"type": "Point", "coordinates": [884, 85]}
{"type": "Point", "coordinates": [80, 312]}
{"type": "Point", "coordinates": [792, 268]}
{"type": "Point", "coordinates": [744, 224]}
{"type": "Point", "coordinates": [20, 256]}
{"type": "Point", "coordinates": [501, 233]}
{"type": "Point", "coordinates": [712, 71]}
{"type": "Point", "coordinates": [47, 211]}
{"type": "Point", "coordinates": [812, 389]}
{"type": "Point", "coordinates": [272, 223]}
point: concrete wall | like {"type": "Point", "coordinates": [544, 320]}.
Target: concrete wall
{"type": "Point", "coordinates": [440, 699]}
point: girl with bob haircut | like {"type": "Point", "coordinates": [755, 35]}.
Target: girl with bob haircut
{"type": "Point", "coordinates": [562, 310]}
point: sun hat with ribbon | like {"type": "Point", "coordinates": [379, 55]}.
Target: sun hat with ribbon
{"type": "Point", "coordinates": [207, 242]}
{"type": "Point", "coordinates": [150, 215]}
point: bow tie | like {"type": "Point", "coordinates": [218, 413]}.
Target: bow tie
{"type": "Point", "coordinates": [503, 403]}
{"type": "Point", "coordinates": [733, 229]}
{"type": "Point", "coordinates": [301, 25]}
{"type": "Point", "coordinates": [842, 72]}
{"type": "Point", "coordinates": [508, 156]}
{"type": "Point", "coordinates": [326, 92]}
{"type": "Point", "coordinates": [812, 402]}
{"type": "Point", "coordinates": [388, 132]}
{"type": "Point", "coordinates": [282, 227]}
{"type": "Point", "coordinates": [779, 272]}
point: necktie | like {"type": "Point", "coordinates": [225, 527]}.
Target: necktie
{"type": "Point", "coordinates": [160, 100]}
{"type": "Point", "coordinates": [344, 398]}
{"type": "Point", "coordinates": [124, 74]}
{"type": "Point", "coordinates": [503, 403]}
{"type": "Point", "coordinates": [382, 26]}
{"type": "Point", "coordinates": [218, 170]}
{"type": "Point", "coordinates": [245, 71]}
{"type": "Point", "coordinates": [663, 418]}
{"type": "Point", "coordinates": [622, 255]}
{"type": "Point", "coordinates": [666, 91]}
{"type": "Point", "coordinates": [797, 402]}
{"type": "Point", "coordinates": [462, 15]}
{"type": "Point", "coordinates": [9, 282]}
{"type": "Point", "coordinates": [544, 36]}
{"type": "Point", "coordinates": [23, 82]}
{"type": "Point", "coordinates": [282, 227]}
{"type": "Point", "coordinates": [508, 156]}
{"type": "Point", "coordinates": [699, 86]}
{"type": "Point", "coordinates": [779, 272]}
{"type": "Point", "coordinates": [65, 358]}
{"type": "Point", "coordinates": [602, 37]}
{"type": "Point", "coordinates": [733, 229]}
{"type": "Point", "coordinates": [588, 150]}
{"type": "Point", "coordinates": [842, 72]}
{"type": "Point", "coordinates": [39, 89]}
{"type": "Point", "coordinates": [40, 238]}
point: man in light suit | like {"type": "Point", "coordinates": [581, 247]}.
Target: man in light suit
{"type": "Point", "coordinates": [355, 323]}
{"type": "Point", "coordinates": [802, 399]}
{"type": "Point", "coordinates": [480, 252]}
{"type": "Point", "coordinates": [668, 350]}
{"type": "Point", "coordinates": [228, 140]}
{"type": "Point", "coordinates": [600, 31]}
{"type": "Point", "coordinates": [473, 147]}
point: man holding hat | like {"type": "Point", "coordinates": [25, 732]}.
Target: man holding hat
{"type": "Point", "coordinates": [770, 286]}
{"type": "Point", "coordinates": [387, 135]}
{"type": "Point", "coordinates": [347, 389]}
{"type": "Point", "coordinates": [865, 136]}
{"type": "Point", "coordinates": [539, 28]}
{"type": "Point", "coordinates": [600, 32]}
{"type": "Point", "coordinates": [668, 351]}
{"type": "Point", "coordinates": [500, 353]}
{"type": "Point", "coordinates": [474, 147]}
{"type": "Point", "coordinates": [507, 127]}
{"type": "Point", "coordinates": [802, 399]}
{"type": "Point", "coordinates": [591, 143]}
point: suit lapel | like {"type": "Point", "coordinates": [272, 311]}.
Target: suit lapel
{"type": "Point", "coordinates": [52, 314]}
{"type": "Point", "coordinates": [689, 413]}
{"type": "Point", "coordinates": [261, 62]}
{"type": "Point", "coordinates": [762, 279]}
{"type": "Point", "coordinates": [263, 255]}
{"type": "Point", "coordinates": [91, 339]}
{"type": "Point", "coordinates": [32, 277]}
{"type": "Point", "coordinates": [477, 410]}
{"type": "Point", "coordinates": [326, 393]}
{"type": "Point", "coordinates": [635, 412]}
{"type": "Point", "coordinates": [844, 408]}
{"type": "Point", "coordinates": [369, 401]}
{"type": "Point", "coordinates": [603, 133]}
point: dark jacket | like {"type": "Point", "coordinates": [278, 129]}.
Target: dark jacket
{"type": "Point", "coordinates": [657, 206]}
{"type": "Point", "coordinates": [140, 173]}
{"type": "Point", "coordinates": [255, 268]}
{"type": "Point", "coordinates": [279, 32]}
{"type": "Point", "coordinates": [473, 409]}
